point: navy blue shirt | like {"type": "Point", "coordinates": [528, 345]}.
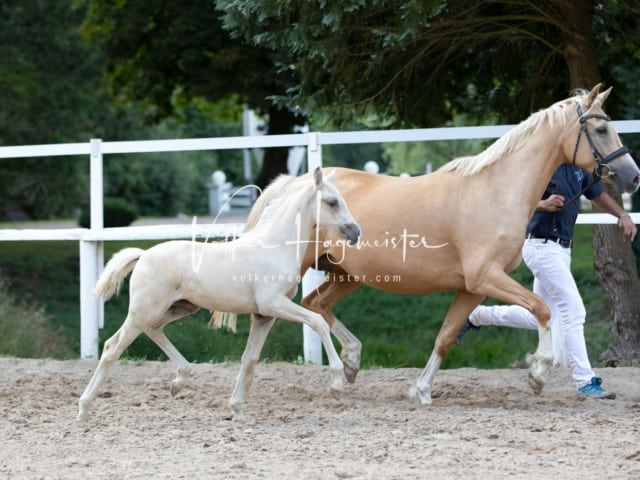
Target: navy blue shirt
{"type": "Point", "coordinates": [568, 180]}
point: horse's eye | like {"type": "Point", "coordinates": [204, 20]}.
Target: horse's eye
{"type": "Point", "coordinates": [602, 130]}
{"type": "Point", "coordinates": [332, 202]}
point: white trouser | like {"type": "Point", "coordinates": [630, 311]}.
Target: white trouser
{"type": "Point", "coordinates": [550, 264]}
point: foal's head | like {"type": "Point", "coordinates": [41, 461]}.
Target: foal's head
{"type": "Point", "coordinates": [330, 210]}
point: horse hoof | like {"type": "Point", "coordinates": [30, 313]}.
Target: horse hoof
{"type": "Point", "coordinates": [424, 397]}
{"type": "Point", "coordinates": [336, 393]}
{"type": "Point", "coordinates": [536, 384]}
{"type": "Point", "coordinates": [83, 411]}
{"type": "Point", "coordinates": [237, 414]}
{"type": "Point", "coordinates": [350, 373]}
{"type": "Point", "coordinates": [176, 387]}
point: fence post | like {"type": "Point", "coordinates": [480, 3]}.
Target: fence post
{"type": "Point", "coordinates": [312, 345]}
{"type": "Point", "coordinates": [91, 261]}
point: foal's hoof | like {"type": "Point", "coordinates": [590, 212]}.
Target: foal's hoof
{"type": "Point", "coordinates": [176, 386]}
{"type": "Point", "coordinates": [536, 384]}
{"type": "Point", "coordinates": [238, 417]}
{"type": "Point", "coordinates": [83, 411]}
{"type": "Point", "coordinates": [336, 393]}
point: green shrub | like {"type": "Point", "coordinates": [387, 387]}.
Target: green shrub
{"type": "Point", "coordinates": [25, 331]}
{"type": "Point", "coordinates": [117, 213]}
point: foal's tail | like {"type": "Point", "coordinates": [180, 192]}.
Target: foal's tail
{"type": "Point", "coordinates": [116, 271]}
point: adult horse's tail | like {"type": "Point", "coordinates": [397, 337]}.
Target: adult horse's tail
{"type": "Point", "coordinates": [116, 271]}
{"type": "Point", "coordinates": [274, 190]}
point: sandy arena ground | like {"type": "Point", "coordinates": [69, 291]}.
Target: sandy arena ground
{"type": "Point", "coordinates": [482, 424]}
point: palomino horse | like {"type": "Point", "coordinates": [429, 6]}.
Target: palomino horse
{"type": "Point", "coordinates": [256, 273]}
{"type": "Point", "coordinates": [461, 227]}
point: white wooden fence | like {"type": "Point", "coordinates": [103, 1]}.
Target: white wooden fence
{"type": "Point", "coordinates": [91, 240]}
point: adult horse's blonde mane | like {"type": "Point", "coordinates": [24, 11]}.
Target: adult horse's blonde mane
{"type": "Point", "coordinates": [514, 139]}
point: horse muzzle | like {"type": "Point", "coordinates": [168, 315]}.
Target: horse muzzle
{"type": "Point", "coordinates": [351, 232]}
{"type": "Point", "coordinates": [626, 176]}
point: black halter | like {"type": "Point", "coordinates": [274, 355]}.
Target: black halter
{"type": "Point", "coordinates": [602, 170]}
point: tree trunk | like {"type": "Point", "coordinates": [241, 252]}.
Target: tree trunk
{"type": "Point", "coordinates": [615, 269]}
{"type": "Point", "coordinates": [614, 262]}
{"type": "Point", "coordinates": [275, 159]}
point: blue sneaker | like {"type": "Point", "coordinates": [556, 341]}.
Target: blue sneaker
{"type": "Point", "coordinates": [594, 390]}
{"type": "Point", "coordinates": [467, 326]}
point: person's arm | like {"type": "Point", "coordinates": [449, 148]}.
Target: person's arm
{"type": "Point", "coordinates": [607, 204]}
{"type": "Point", "coordinates": [553, 203]}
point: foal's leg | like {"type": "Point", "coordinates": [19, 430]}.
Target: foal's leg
{"type": "Point", "coordinates": [178, 309]}
{"type": "Point", "coordinates": [183, 371]}
{"type": "Point", "coordinates": [258, 332]}
{"type": "Point", "coordinates": [113, 348]}
{"type": "Point", "coordinates": [321, 300]}
{"type": "Point", "coordinates": [284, 308]}
{"type": "Point", "coordinates": [462, 305]}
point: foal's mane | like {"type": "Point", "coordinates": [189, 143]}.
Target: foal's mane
{"type": "Point", "coordinates": [514, 139]}
{"type": "Point", "coordinates": [270, 201]}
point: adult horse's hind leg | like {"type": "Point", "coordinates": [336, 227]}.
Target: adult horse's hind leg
{"type": "Point", "coordinates": [462, 305]}
{"type": "Point", "coordinates": [321, 300]}
{"type": "Point", "coordinates": [113, 348]}
{"type": "Point", "coordinates": [258, 331]}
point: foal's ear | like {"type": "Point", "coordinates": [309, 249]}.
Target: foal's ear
{"type": "Point", "coordinates": [317, 176]}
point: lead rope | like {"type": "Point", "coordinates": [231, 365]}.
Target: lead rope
{"type": "Point", "coordinates": [596, 178]}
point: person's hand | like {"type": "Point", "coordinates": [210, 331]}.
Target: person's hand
{"type": "Point", "coordinates": [552, 203]}
{"type": "Point", "coordinates": [629, 229]}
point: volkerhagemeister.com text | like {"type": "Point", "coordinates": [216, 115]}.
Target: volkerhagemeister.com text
{"type": "Point", "coordinates": [328, 276]}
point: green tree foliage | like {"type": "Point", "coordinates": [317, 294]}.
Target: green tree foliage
{"type": "Point", "coordinates": [49, 93]}
{"type": "Point", "coordinates": [165, 54]}
{"type": "Point", "coordinates": [419, 63]}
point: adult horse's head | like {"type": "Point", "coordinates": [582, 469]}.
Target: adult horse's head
{"type": "Point", "coordinates": [331, 211]}
{"type": "Point", "coordinates": [597, 146]}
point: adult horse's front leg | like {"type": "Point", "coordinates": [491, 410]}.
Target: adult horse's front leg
{"type": "Point", "coordinates": [258, 332]}
{"type": "Point", "coordinates": [462, 305]}
{"type": "Point", "coordinates": [321, 300]}
{"type": "Point", "coordinates": [540, 362]}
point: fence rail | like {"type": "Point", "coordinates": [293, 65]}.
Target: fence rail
{"type": "Point", "coordinates": [91, 240]}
